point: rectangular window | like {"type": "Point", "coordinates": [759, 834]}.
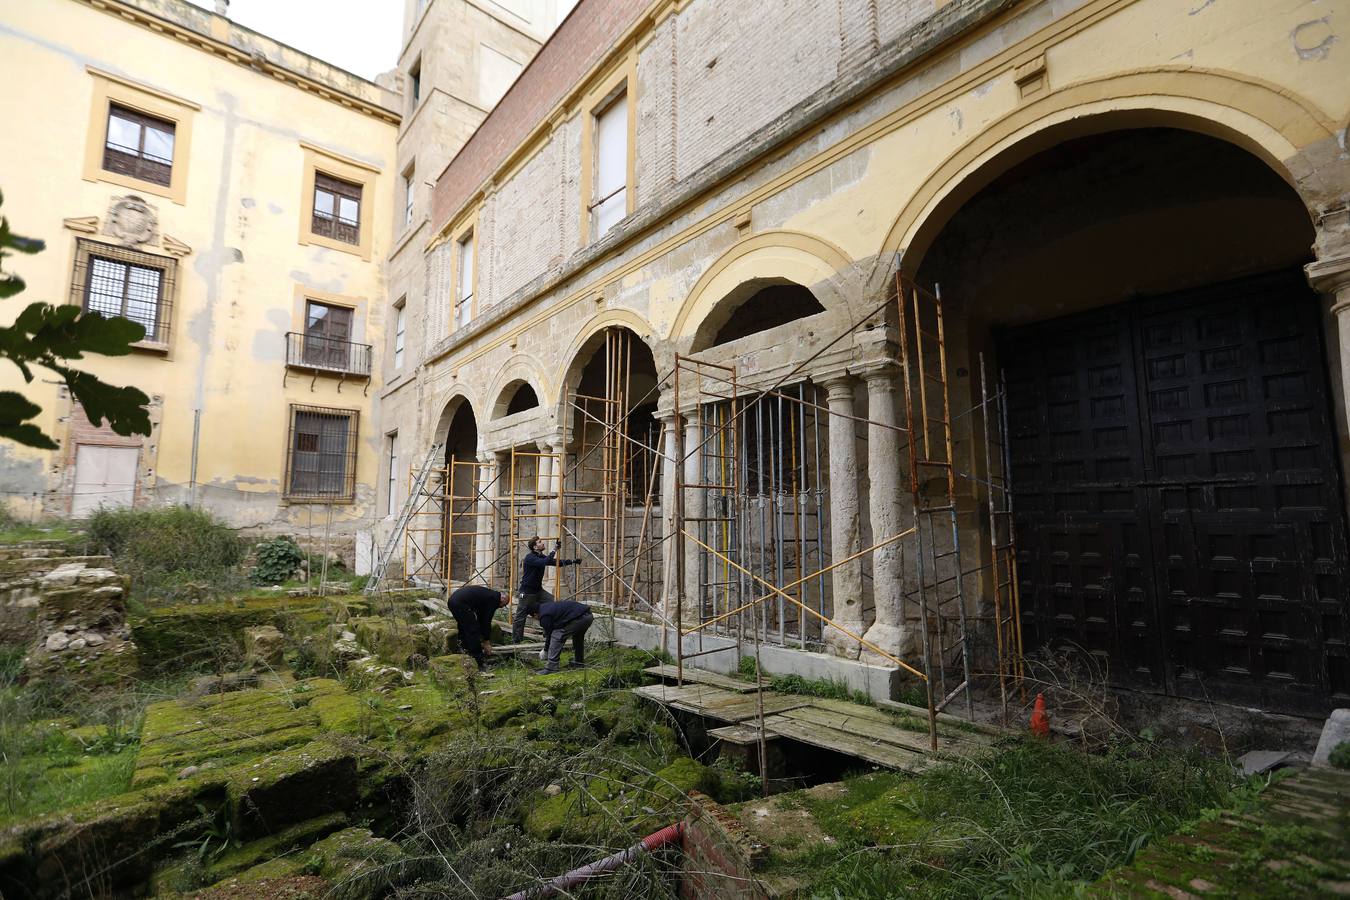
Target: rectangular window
{"type": "Point", "coordinates": [321, 454]}
{"type": "Point", "coordinates": [393, 501]}
{"type": "Point", "coordinates": [415, 83]}
{"type": "Point", "coordinates": [115, 281]}
{"type": "Point", "coordinates": [610, 194]}
{"type": "Point", "coordinates": [400, 331]}
{"type": "Point", "coordinates": [337, 209]}
{"type": "Point", "coordinates": [138, 145]}
{"type": "Point", "coordinates": [409, 195]}
{"type": "Point", "coordinates": [328, 336]}
{"type": "Point", "coordinates": [464, 281]}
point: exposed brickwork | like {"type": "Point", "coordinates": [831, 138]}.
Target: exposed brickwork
{"type": "Point", "coordinates": [721, 858]}
{"type": "Point", "coordinates": [579, 43]}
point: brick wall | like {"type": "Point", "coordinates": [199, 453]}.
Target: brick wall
{"type": "Point", "coordinates": [708, 78]}
{"type": "Point", "coordinates": [580, 42]}
{"type": "Point", "coordinates": [720, 857]}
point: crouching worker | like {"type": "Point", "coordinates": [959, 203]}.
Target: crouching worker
{"type": "Point", "coordinates": [560, 620]}
{"type": "Point", "coordinates": [532, 591]}
{"type": "Point", "coordinates": [473, 606]}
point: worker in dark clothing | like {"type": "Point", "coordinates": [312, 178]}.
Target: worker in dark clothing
{"type": "Point", "coordinates": [473, 606]}
{"type": "Point", "coordinates": [560, 620]}
{"type": "Point", "coordinates": [532, 591]}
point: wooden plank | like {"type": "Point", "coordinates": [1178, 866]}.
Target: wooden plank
{"type": "Point", "coordinates": [702, 676]}
{"type": "Point", "coordinates": [875, 731]}
{"type": "Point", "coordinates": [882, 716]}
{"type": "Point", "coordinates": [942, 718]}
{"type": "Point", "coordinates": [742, 735]}
{"type": "Point", "coordinates": [882, 754]}
{"type": "Point", "coordinates": [716, 703]}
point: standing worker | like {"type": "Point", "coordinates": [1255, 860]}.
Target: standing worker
{"type": "Point", "coordinates": [560, 620]}
{"type": "Point", "coordinates": [532, 593]}
{"type": "Point", "coordinates": [473, 606]}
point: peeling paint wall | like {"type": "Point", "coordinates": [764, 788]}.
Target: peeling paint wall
{"type": "Point", "coordinates": [242, 271]}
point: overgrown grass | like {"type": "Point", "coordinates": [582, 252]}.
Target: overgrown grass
{"type": "Point", "coordinates": [171, 552]}
{"type": "Point", "coordinates": [1030, 819]}
{"type": "Point", "coordinates": [61, 747]}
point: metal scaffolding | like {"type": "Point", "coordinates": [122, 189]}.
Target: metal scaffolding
{"type": "Point", "coordinates": [752, 511]}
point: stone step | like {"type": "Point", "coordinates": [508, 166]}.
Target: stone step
{"type": "Point", "coordinates": [36, 566]}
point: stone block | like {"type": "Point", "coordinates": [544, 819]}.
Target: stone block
{"type": "Point", "coordinates": [263, 647]}
{"type": "Point", "coordinates": [292, 785]}
{"type": "Point", "coordinates": [1335, 732]}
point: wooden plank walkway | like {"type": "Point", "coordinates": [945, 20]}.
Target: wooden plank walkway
{"type": "Point", "coordinates": [703, 676]}
{"type": "Point", "coordinates": [864, 732]}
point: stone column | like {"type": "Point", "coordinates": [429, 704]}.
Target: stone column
{"type": "Point", "coordinates": [883, 469]}
{"type": "Point", "coordinates": [669, 450]}
{"type": "Point", "coordinates": [1330, 276]}
{"type": "Point", "coordinates": [545, 520]}
{"type": "Point", "coordinates": [693, 509]}
{"type": "Point", "coordinates": [845, 580]}
{"type": "Point", "coordinates": [486, 543]}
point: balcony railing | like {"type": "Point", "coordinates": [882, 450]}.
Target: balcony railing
{"type": "Point", "coordinates": [327, 356]}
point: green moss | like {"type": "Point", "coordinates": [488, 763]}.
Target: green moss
{"type": "Point", "coordinates": [290, 786]}
{"type": "Point", "coordinates": [53, 783]}
{"type": "Point", "coordinates": [173, 638]}
{"type": "Point", "coordinates": [257, 852]}
{"type": "Point", "coordinates": [685, 775]}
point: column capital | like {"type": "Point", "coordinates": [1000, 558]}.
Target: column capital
{"type": "Point", "coordinates": [882, 372]}
{"type": "Point", "coordinates": [1331, 275]}
{"type": "Point", "coordinates": [837, 384]}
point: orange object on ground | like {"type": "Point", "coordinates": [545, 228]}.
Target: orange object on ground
{"type": "Point", "coordinates": [1040, 722]}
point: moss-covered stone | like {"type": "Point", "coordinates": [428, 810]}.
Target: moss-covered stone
{"type": "Point", "coordinates": [221, 729]}
{"type": "Point", "coordinates": [290, 786]}
{"type": "Point", "coordinates": [171, 638]}
{"type": "Point", "coordinates": [255, 853]}
{"type": "Point", "coordinates": [355, 859]}
{"type": "Point", "coordinates": [107, 844]}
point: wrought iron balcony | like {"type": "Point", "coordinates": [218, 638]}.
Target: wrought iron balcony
{"type": "Point", "coordinates": [327, 356]}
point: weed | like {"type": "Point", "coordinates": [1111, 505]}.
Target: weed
{"type": "Point", "coordinates": [829, 689]}
{"type": "Point", "coordinates": [170, 552]}
{"type": "Point", "coordinates": [278, 559]}
{"type": "Point", "coordinates": [1340, 755]}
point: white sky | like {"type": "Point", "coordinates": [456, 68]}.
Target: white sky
{"type": "Point", "coordinates": [361, 36]}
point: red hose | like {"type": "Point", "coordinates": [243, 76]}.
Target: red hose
{"type": "Point", "coordinates": [669, 835]}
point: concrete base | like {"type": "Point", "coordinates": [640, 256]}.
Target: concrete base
{"type": "Point", "coordinates": [1335, 732]}
{"type": "Point", "coordinates": [878, 682]}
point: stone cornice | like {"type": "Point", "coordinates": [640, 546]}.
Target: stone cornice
{"type": "Point", "coordinates": [255, 61]}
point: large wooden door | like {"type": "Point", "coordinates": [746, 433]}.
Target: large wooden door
{"type": "Point", "coordinates": [1179, 504]}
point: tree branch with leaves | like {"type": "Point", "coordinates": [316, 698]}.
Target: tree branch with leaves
{"type": "Point", "coordinates": [48, 336]}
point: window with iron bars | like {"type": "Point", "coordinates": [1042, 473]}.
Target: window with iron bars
{"type": "Point", "coordinates": [321, 455]}
{"type": "Point", "coordinates": [337, 209]}
{"type": "Point", "coordinates": [138, 145]}
{"type": "Point", "coordinates": [115, 281]}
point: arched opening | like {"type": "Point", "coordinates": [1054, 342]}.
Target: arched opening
{"type": "Point", "coordinates": [516, 397]}
{"type": "Point", "coordinates": [612, 481]}
{"type": "Point", "coordinates": [755, 307]}
{"type": "Point", "coordinates": [1171, 446]}
{"type": "Point", "coordinates": [461, 447]}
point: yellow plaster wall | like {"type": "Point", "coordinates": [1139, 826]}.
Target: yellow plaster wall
{"type": "Point", "coordinates": [240, 216]}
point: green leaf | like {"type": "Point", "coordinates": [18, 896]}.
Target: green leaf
{"type": "Point", "coordinates": [124, 408]}
{"type": "Point", "coordinates": [10, 285]}
{"type": "Point", "coordinates": [15, 408]}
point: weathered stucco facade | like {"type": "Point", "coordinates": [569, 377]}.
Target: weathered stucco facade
{"type": "Point", "coordinates": [1037, 159]}
{"type": "Point", "coordinates": [253, 121]}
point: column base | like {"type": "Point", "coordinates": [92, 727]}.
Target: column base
{"type": "Point", "coordinates": [840, 644]}
{"type": "Point", "coordinates": [889, 637]}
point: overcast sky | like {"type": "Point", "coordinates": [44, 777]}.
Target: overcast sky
{"type": "Point", "coordinates": [361, 36]}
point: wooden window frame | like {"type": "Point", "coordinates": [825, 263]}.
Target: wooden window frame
{"type": "Point", "coordinates": [409, 195]}
{"type": "Point", "coordinates": [87, 252]}
{"type": "Point", "coordinates": [400, 313]}
{"type": "Point", "coordinates": [621, 81]}
{"type": "Point", "coordinates": [321, 163]}
{"type": "Point", "coordinates": [111, 91]}
{"type": "Point", "coordinates": [469, 233]}
{"type": "Point", "coordinates": [122, 160]}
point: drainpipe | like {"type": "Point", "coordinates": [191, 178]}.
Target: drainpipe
{"type": "Point", "coordinates": [669, 835]}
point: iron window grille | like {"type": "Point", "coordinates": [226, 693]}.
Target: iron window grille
{"type": "Point", "coordinates": [138, 145]}
{"type": "Point", "coordinates": [337, 209]}
{"type": "Point", "coordinates": [116, 281]}
{"type": "Point", "coordinates": [321, 454]}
